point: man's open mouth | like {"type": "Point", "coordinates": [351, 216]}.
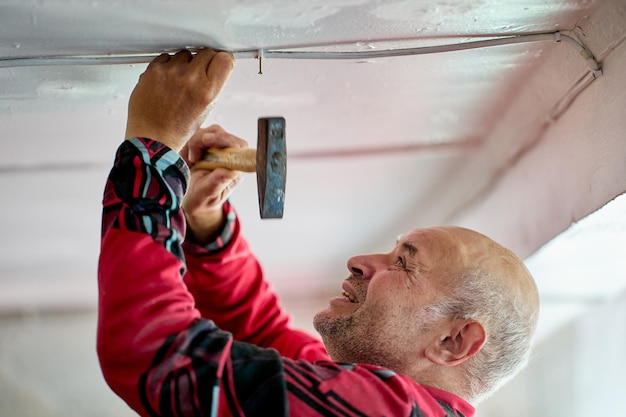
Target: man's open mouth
{"type": "Point", "coordinates": [349, 297]}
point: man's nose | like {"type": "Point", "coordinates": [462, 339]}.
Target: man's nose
{"type": "Point", "coordinates": [363, 266]}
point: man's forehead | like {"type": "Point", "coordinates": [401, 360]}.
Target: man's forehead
{"type": "Point", "coordinates": [413, 241]}
{"type": "Point", "coordinates": [436, 250]}
{"type": "Point", "coordinates": [414, 235]}
{"type": "Point", "coordinates": [430, 240]}
{"type": "Point", "coordinates": [404, 237]}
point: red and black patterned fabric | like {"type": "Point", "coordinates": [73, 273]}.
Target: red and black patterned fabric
{"type": "Point", "coordinates": [165, 306]}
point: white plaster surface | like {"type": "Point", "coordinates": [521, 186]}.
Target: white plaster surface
{"type": "Point", "coordinates": [461, 137]}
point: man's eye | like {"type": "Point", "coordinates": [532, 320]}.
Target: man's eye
{"type": "Point", "coordinates": [400, 262]}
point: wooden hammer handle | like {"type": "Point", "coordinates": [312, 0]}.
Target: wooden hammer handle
{"type": "Point", "coordinates": [236, 159]}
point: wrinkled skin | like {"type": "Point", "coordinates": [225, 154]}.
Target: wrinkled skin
{"type": "Point", "coordinates": [393, 322]}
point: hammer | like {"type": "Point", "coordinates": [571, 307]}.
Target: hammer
{"type": "Point", "coordinates": [269, 161]}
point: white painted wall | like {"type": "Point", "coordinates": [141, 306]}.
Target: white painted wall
{"type": "Point", "coordinates": [577, 372]}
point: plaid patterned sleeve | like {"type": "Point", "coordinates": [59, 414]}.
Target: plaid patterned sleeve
{"type": "Point", "coordinates": [144, 192]}
{"type": "Point", "coordinates": [194, 248]}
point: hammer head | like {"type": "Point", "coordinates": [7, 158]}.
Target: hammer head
{"type": "Point", "coordinates": [271, 163]}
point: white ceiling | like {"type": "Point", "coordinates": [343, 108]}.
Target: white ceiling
{"type": "Point", "coordinates": [376, 146]}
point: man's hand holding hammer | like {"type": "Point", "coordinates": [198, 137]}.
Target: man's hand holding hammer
{"type": "Point", "coordinates": [208, 189]}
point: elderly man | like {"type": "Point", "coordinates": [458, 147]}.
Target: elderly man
{"type": "Point", "coordinates": [188, 326]}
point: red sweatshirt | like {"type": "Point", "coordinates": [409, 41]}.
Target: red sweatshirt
{"type": "Point", "coordinates": [163, 305]}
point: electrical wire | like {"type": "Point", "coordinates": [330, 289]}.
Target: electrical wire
{"type": "Point", "coordinates": [293, 53]}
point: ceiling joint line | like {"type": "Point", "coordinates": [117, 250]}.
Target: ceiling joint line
{"type": "Point", "coordinates": [537, 132]}
{"type": "Point", "coordinates": [294, 53]}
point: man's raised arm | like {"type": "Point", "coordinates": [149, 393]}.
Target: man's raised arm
{"type": "Point", "coordinates": [223, 275]}
{"type": "Point", "coordinates": [149, 332]}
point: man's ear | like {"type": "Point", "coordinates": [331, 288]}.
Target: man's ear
{"type": "Point", "coordinates": [460, 343]}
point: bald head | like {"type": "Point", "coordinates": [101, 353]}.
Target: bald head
{"type": "Point", "coordinates": [497, 265]}
{"type": "Point", "coordinates": [487, 282]}
{"type": "Point", "coordinates": [455, 254]}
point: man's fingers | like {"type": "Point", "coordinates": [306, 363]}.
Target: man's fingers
{"type": "Point", "coordinates": [222, 60]}
{"type": "Point", "coordinates": [198, 146]}
{"type": "Point", "coordinates": [222, 139]}
{"type": "Point", "coordinates": [217, 184]}
{"type": "Point", "coordinates": [174, 95]}
{"type": "Point", "coordinates": [228, 180]}
{"type": "Point", "coordinates": [182, 56]}
{"type": "Point", "coordinates": [211, 137]}
{"type": "Point", "coordinates": [218, 72]}
{"type": "Point", "coordinates": [203, 58]}
{"type": "Point", "coordinates": [161, 59]}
